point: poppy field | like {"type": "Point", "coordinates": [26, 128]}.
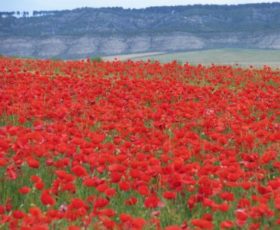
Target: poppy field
{"type": "Point", "coordinates": [138, 145]}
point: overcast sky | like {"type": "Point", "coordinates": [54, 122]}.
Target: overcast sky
{"type": "Point", "coordinates": [29, 5]}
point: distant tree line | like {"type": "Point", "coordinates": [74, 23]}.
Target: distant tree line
{"type": "Point", "coordinates": [35, 13]}
{"type": "Point", "coordinates": [157, 9]}
{"type": "Point", "coordinates": [14, 14]}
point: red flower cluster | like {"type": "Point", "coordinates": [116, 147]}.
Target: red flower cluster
{"type": "Point", "coordinates": [132, 145]}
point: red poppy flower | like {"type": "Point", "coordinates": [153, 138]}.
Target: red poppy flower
{"type": "Point", "coordinates": [152, 202]}
{"type": "Point", "coordinates": [39, 185]}
{"type": "Point", "coordinates": [79, 171]}
{"type": "Point", "coordinates": [100, 203]}
{"type": "Point", "coordinates": [18, 214]}
{"type": "Point", "coordinates": [33, 163]}
{"type": "Point", "coordinates": [46, 198]}
{"type": "Point", "coordinates": [226, 224]}
{"type": "Point", "coordinates": [201, 223]}
{"type": "Point", "coordinates": [124, 186]}
{"type": "Point", "coordinates": [169, 195]}
{"type": "Point", "coordinates": [24, 190]}
{"type": "Point", "coordinates": [131, 201]}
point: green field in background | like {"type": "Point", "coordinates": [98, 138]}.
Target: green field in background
{"type": "Point", "coordinates": [243, 57]}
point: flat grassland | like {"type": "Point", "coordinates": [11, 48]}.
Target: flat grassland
{"type": "Point", "coordinates": [124, 57]}
{"type": "Point", "coordinates": [243, 57]}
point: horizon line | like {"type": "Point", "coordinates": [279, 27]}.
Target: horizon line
{"type": "Point", "coordinates": [141, 8]}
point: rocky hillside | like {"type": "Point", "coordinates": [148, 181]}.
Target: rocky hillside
{"type": "Point", "coordinates": [105, 31]}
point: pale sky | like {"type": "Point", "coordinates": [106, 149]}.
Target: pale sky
{"type": "Point", "coordinates": [29, 5]}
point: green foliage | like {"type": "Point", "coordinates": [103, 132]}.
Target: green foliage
{"type": "Point", "coordinates": [96, 59]}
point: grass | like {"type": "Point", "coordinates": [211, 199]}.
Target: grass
{"type": "Point", "coordinates": [243, 57]}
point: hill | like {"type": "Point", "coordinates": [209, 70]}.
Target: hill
{"type": "Point", "coordinates": [108, 31]}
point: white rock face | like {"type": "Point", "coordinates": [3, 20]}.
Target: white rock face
{"type": "Point", "coordinates": [89, 46]}
{"type": "Point", "coordinates": [273, 41]}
